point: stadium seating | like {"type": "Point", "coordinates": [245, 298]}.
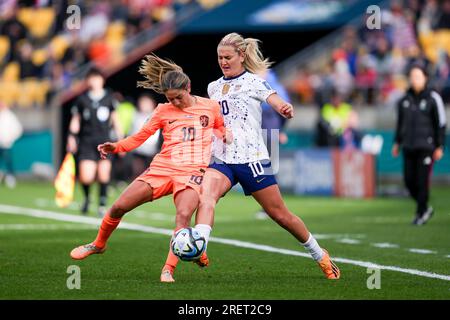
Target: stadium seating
{"type": "Point", "coordinates": [38, 21]}
{"type": "Point", "coordinates": [357, 62]}
{"type": "Point", "coordinates": [39, 25]}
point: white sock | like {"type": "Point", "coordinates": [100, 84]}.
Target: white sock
{"type": "Point", "coordinates": [204, 230]}
{"type": "Point", "coordinates": [313, 247]}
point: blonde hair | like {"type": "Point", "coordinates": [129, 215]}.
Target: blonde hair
{"type": "Point", "coordinates": [254, 60]}
{"type": "Point", "coordinates": [162, 75]}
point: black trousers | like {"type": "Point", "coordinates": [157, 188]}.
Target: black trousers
{"type": "Point", "coordinates": [417, 170]}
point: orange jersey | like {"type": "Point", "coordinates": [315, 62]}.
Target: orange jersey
{"type": "Point", "coordinates": [187, 136]}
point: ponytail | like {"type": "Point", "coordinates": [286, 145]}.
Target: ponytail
{"type": "Point", "coordinates": [162, 75]}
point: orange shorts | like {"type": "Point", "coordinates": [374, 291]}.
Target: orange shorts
{"type": "Point", "coordinates": [164, 185]}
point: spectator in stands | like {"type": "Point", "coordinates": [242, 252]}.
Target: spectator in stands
{"type": "Point", "coordinates": [343, 80]}
{"type": "Point", "coordinates": [27, 68]}
{"type": "Point", "coordinates": [383, 56]}
{"type": "Point", "coordinates": [10, 131]}
{"type": "Point", "coordinates": [366, 75]}
{"type": "Point", "coordinates": [95, 23]}
{"type": "Point", "coordinates": [443, 75]}
{"type": "Point", "coordinates": [60, 79]}
{"type": "Point", "coordinates": [323, 86]}
{"type": "Point", "coordinates": [133, 20]}
{"type": "Point", "coordinates": [415, 56]}
{"type": "Point", "coordinates": [99, 52]}
{"type": "Point", "coordinates": [13, 28]}
{"type": "Point", "coordinates": [350, 45]}
{"type": "Point", "coordinates": [143, 155]}
{"type": "Point", "coordinates": [427, 20]}
{"type": "Point", "coordinates": [119, 10]}
{"type": "Point", "coordinates": [443, 20]}
{"type": "Point", "coordinates": [401, 26]}
{"type": "Point", "coordinates": [420, 133]}
{"type": "Point", "coordinates": [301, 86]}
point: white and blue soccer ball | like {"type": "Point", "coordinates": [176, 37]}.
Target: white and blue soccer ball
{"type": "Point", "coordinates": [187, 244]}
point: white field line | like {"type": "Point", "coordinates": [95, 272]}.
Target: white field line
{"type": "Point", "coordinates": [348, 241]}
{"type": "Point", "coordinates": [384, 245]}
{"type": "Point", "coordinates": [41, 226]}
{"type": "Point", "coordinates": [242, 244]}
{"type": "Point", "coordinates": [421, 251]}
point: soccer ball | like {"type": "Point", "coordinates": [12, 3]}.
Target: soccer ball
{"type": "Point", "coordinates": [187, 244]}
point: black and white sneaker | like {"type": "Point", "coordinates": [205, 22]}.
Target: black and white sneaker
{"type": "Point", "coordinates": [416, 219]}
{"type": "Point", "coordinates": [426, 216]}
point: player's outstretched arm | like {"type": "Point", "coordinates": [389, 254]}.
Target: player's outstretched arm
{"type": "Point", "coordinates": [282, 107]}
{"type": "Point", "coordinates": [134, 141]}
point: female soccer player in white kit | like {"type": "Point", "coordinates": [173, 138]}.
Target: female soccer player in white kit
{"type": "Point", "coordinates": [240, 93]}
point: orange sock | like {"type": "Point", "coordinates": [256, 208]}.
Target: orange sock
{"type": "Point", "coordinates": [172, 260]}
{"type": "Point", "coordinates": [109, 224]}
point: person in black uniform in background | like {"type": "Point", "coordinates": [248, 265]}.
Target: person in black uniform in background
{"type": "Point", "coordinates": [420, 133]}
{"type": "Point", "coordinates": [92, 116]}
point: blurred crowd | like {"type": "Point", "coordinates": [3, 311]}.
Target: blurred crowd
{"type": "Point", "coordinates": [39, 54]}
{"type": "Point", "coordinates": [369, 67]}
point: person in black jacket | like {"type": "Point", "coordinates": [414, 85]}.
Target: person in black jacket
{"type": "Point", "coordinates": [92, 116]}
{"type": "Point", "coordinates": [420, 133]}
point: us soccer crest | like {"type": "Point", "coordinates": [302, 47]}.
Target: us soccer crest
{"type": "Point", "coordinates": [204, 120]}
{"type": "Point", "coordinates": [226, 88]}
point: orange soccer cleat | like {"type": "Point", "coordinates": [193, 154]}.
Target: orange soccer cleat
{"type": "Point", "coordinates": [83, 252]}
{"type": "Point", "coordinates": [203, 261]}
{"type": "Point", "coordinates": [328, 267]}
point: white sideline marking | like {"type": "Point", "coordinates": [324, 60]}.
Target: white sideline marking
{"type": "Point", "coordinates": [421, 251]}
{"type": "Point", "coordinates": [41, 226]}
{"type": "Point", "coordinates": [385, 245]}
{"type": "Point", "coordinates": [348, 241]}
{"type": "Point", "coordinates": [242, 244]}
{"type": "Point", "coordinates": [320, 236]}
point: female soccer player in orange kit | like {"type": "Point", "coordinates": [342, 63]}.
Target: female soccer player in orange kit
{"type": "Point", "coordinates": [188, 123]}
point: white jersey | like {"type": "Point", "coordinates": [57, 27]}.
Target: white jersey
{"type": "Point", "coordinates": [240, 99]}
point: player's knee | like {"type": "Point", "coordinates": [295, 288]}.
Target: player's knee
{"type": "Point", "coordinates": [183, 217]}
{"type": "Point", "coordinates": [207, 202]}
{"type": "Point", "coordinates": [117, 210]}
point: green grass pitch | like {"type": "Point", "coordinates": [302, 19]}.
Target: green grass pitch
{"type": "Point", "coordinates": [34, 252]}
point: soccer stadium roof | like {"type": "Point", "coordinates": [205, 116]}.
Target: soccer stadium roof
{"type": "Point", "coordinates": [278, 15]}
